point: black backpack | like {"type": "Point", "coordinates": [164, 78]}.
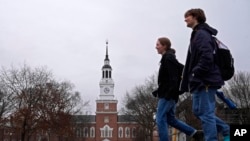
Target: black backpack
{"type": "Point", "coordinates": [224, 60]}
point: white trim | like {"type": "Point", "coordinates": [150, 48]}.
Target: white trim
{"type": "Point", "coordinates": [102, 112]}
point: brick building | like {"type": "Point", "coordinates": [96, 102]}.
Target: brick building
{"type": "Point", "coordinates": [106, 125]}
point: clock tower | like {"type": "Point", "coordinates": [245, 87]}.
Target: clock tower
{"type": "Point", "coordinates": [106, 105]}
{"type": "Point", "coordinates": [106, 83]}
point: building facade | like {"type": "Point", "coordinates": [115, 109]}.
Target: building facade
{"type": "Point", "coordinates": [106, 125]}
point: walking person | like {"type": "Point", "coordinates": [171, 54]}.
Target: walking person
{"type": "Point", "coordinates": [168, 93]}
{"type": "Point", "coordinates": [201, 75]}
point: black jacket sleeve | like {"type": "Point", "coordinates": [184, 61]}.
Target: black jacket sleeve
{"type": "Point", "coordinates": [168, 78]}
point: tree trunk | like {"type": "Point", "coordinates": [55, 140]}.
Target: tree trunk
{"type": "Point", "coordinates": [23, 133]}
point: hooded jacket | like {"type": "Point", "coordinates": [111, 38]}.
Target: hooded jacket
{"type": "Point", "coordinates": [200, 70]}
{"type": "Point", "coordinates": [168, 76]}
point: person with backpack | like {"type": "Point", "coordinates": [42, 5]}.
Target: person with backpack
{"type": "Point", "coordinates": [168, 93]}
{"type": "Point", "coordinates": [201, 75]}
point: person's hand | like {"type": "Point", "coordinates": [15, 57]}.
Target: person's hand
{"type": "Point", "coordinates": [155, 93]}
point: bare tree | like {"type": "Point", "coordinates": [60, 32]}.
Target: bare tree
{"type": "Point", "coordinates": [238, 89]}
{"type": "Point", "coordinates": [40, 103]}
{"type": "Point", "coordinates": [5, 106]}
{"type": "Point", "coordinates": [141, 105]}
{"type": "Point", "coordinates": [184, 110]}
{"type": "Point", "coordinates": [58, 105]}
{"type": "Point", "coordinates": [19, 84]}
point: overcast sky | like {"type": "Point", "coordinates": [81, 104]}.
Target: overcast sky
{"type": "Point", "coordinates": [68, 37]}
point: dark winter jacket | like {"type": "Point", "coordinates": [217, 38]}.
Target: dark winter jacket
{"type": "Point", "coordinates": [200, 69]}
{"type": "Point", "coordinates": [168, 76]}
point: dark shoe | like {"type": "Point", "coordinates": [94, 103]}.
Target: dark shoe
{"type": "Point", "coordinates": [198, 136]}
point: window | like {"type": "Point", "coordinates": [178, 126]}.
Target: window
{"type": "Point", "coordinates": [134, 132]}
{"type": "Point", "coordinates": [106, 119]}
{"type": "Point", "coordinates": [85, 132]}
{"type": "Point", "coordinates": [106, 106]}
{"type": "Point", "coordinates": [78, 132]}
{"type": "Point", "coordinates": [141, 131]}
{"type": "Point", "coordinates": [106, 131]}
{"type": "Point", "coordinates": [106, 74]}
{"type": "Point", "coordinates": [127, 132]}
{"type": "Point", "coordinates": [120, 132]}
{"type": "Point", "coordinates": [92, 132]}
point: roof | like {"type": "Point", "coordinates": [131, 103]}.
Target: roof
{"type": "Point", "coordinates": [125, 118]}
{"type": "Point", "coordinates": [106, 67]}
{"type": "Point", "coordinates": [92, 118]}
{"type": "Point", "coordinates": [84, 118]}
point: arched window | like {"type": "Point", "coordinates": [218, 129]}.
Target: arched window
{"type": "Point", "coordinates": [109, 74]}
{"type": "Point", "coordinates": [92, 132]}
{"type": "Point", "coordinates": [106, 131]}
{"type": "Point", "coordinates": [106, 74]}
{"type": "Point", "coordinates": [78, 132]}
{"type": "Point", "coordinates": [127, 132]}
{"type": "Point", "coordinates": [85, 132]}
{"type": "Point", "coordinates": [133, 132]}
{"type": "Point", "coordinates": [120, 132]}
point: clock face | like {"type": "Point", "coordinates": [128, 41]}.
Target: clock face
{"type": "Point", "coordinates": [106, 90]}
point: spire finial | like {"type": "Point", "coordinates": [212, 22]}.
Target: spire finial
{"type": "Point", "coordinates": [107, 42]}
{"type": "Point", "coordinates": [107, 58]}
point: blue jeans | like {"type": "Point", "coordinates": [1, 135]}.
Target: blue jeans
{"type": "Point", "coordinates": [166, 116]}
{"type": "Point", "coordinates": [204, 109]}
